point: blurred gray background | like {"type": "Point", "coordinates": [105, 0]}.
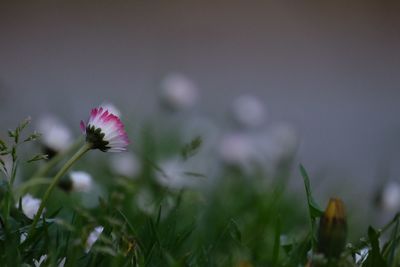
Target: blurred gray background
{"type": "Point", "coordinates": [331, 69]}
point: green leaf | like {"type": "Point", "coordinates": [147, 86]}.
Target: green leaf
{"type": "Point", "coordinates": [195, 174]}
{"type": "Point", "coordinates": [24, 123]}
{"type": "Point", "coordinates": [16, 133]}
{"type": "Point", "coordinates": [298, 252]}
{"type": "Point", "coordinates": [2, 163]}
{"type": "Point", "coordinates": [32, 137]}
{"type": "Point", "coordinates": [234, 231]}
{"type": "Point", "coordinates": [5, 152]}
{"type": "Point", "coordinates": [108, 250]}
{"type": "Point", "coordinates": [375, 257]}
{"type": "Point", "coordinates": [3, 145]}
{"type": "Point", "coordinates": [389, 248]}
{"type": "Point", "coordinates": [191, 148]}
{"type": "Point", "coordinates": [391, 258]}
{"type": "Point", "coordinates": [277, 241]}
{"type": "Point", "coordinates": [3, 189]}
{"type": "Point", "coordinates": [314, 210]}
{"type": "Point", "coordinates": [183, 236]}
{"type": "Point", "coordinates": [14, 153]}
{"type": "Point", "coordinates": [38, 157]}
{"type": "Point", "coordinates": [158, 219]}
{"type": "Point", "coordinates": [11, 133]}
{"type": "Point", "coordinates": [65, 224]}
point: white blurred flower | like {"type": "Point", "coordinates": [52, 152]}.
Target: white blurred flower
{"type": "Point", "coordinates": [55, 135]}
{"type": "Point", "coordinates": [61, 263]}
{"type": "Point", "coordinates": [264, 149]}
{"type": "Point", "coordinates": [175, 175]}
{"type": "Point", "coordinates": [81, 181]}
{"type": "Point", "coordinates": [248, 111]}
{"type": "Point", "coordinates": [30, 205]}
{"type": "Point", "coordinates": [23, 237]}
{"type": "Point", "coordinates": [178, 92]}
{"type": "Point", "coordinates": [285, 134]}
{"type": "Point", "coordinates": [361, 255]}
{"type": "Point", "coordinates": [391, 196]}
{"type": "Point", "coordinates": [92, 238]}
{"type": "Point", "coordinates": [41, 260]}
{"type": "Point", "coordinates": [111, 108]}
{"type": "Point", "coordinates": [125, 164]}
{"type": "Point", "coordinates": [285, 138]}
{"type": "Point", "coordinates": [237, 149]}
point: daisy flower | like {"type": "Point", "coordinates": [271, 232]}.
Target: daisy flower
{"type": "Point", "coordinates": [105, 131]}
{"type": "Point", "coordinates": [111, 108]}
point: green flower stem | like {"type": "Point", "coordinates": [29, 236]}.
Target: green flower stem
{"type": "Point", "coordinates": [8, 198]}
{"type": "Point", "coordinates": [13, 172]}
{"type": "Point", "coordinates": [56, 178]}
{"type": "Point", "coordinates": [7, 206]}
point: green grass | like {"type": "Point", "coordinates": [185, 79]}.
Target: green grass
{"type": "Point", "coordinates": [234, 218]}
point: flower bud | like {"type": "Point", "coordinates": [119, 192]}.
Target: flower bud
{"type": "Point", "coordinates": [332, 229]}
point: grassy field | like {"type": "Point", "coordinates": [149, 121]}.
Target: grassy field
{"type": "Point", "coordinates": [172, 199]}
